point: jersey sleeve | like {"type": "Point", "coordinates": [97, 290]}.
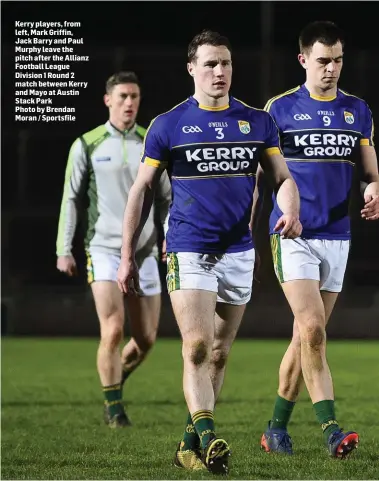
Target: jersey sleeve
{"type": "Point", "coordinates": [272, 139]}
{"type": "Point", "coordinates": [74, 183]}
{"type": "Point", "coordinates": [367, 126]}
{"type": "Point", "coordinates": [156, 147]}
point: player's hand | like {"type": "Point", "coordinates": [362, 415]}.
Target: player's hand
{"type": "Point", "coordinates": [127, 277]}
{"type": "Point", "coordinates": [67, 265]}
{"type": "Point", "coordinates": [289, 226]}
{"type": "Point", "coordinates": [164, 251]}
{"type": "Point", "coordinates": [370, 210]}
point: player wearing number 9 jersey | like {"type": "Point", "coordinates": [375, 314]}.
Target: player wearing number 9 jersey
{"type": "Point", "coordinates": [325, 133]}
{"type": "Point", "coordinates": [211, 145]}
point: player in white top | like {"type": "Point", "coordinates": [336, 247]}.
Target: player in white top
{"type": "Point", "coordinates": [104, 162]}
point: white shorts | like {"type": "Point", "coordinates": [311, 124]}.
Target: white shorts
{"type": "Point", "coordinates": [230, 275]}
{"type": "Point", "coordinates": [103, 267]}
{"type": "Point", "coordinates": [322, 260]}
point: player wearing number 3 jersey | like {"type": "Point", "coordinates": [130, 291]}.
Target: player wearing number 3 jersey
{"type": "Point", "coordinates": [211, 145]}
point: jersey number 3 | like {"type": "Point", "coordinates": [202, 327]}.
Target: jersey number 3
{"type": "Point", "coordinates": [220, 133]}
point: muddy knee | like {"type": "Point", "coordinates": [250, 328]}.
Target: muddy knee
{"type": "Point", "coordinates": [196, 352]}
{"type": "Point", "coordinates": [313, 334]}
{"type": "Point", "coordinates": [219, 358]}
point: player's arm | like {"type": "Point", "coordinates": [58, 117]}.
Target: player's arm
{"type": "Point", "coordinates": [256, 210]}
{"type": "Point", "coordinates": [140, 200]}
{"type": "Point", "coordinates": [162, 202]}
{"type": "Point", "coordinates": [163, 199]}
{"type": "Point", "coordinates": [257, 200]}
{"type": "Point", "coordinates": [370, 182]}
{"type": "Point", "coordinates": [75, 180]}
{"type": "Point", "coordinates": [287, 195]}
{"type": "Point", "coordinates": [369, 169]}
{"type": "Point", "coordinates": [258, 191]}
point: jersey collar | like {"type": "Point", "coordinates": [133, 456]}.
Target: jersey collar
{"type": "Point", "coordinates": [317, 97]}
{"type": "Point", "coordinates": [210, 109]}
{"type": "Point", "coordinates": [114, 130]}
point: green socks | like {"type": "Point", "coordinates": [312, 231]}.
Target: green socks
{"type": "Point", "coordinates": [282, 413]}
{"type": "Point", "coordinates": [124, 376]}
{"type": "Point", "coordinates": [113, 399]}
{"type": "Point", "coordinates": [324, 412]}
{"type": "Point", "coordinates": [204, 426]}
{"type": "Point", "coordinates": [190, 438]}
{"type": "Point", "coordinates": [326, 417]}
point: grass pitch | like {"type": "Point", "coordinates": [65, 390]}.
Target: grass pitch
{"type": "Point", "coordinates": [52, 424]}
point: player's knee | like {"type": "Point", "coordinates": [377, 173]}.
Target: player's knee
{"type": "Point", "coordinates": [313, 333]}
{"type": "Point", "coordinates": [196, 352]}
{"type": "Point", "coordinates": [219, 358]}
{"type": "Point", "coordinates": [146, 343]}
{"type": "Point", "coordinates": [111, 336]}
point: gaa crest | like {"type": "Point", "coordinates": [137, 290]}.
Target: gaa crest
{"type": "Point", "coordinates": [244, 126]}
{"type": "Point", "coordinates": [349, 118]}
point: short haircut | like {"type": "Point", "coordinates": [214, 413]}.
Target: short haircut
{"type": "Point", "coordinates": [327, 33]}
{"type": "Point", "coordinates": [121, 78]}
{"type": "Point", "coordinates": [206, 37]}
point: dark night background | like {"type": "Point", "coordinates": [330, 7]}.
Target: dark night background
{"type": "Point", "coordinates": [151, 38]}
